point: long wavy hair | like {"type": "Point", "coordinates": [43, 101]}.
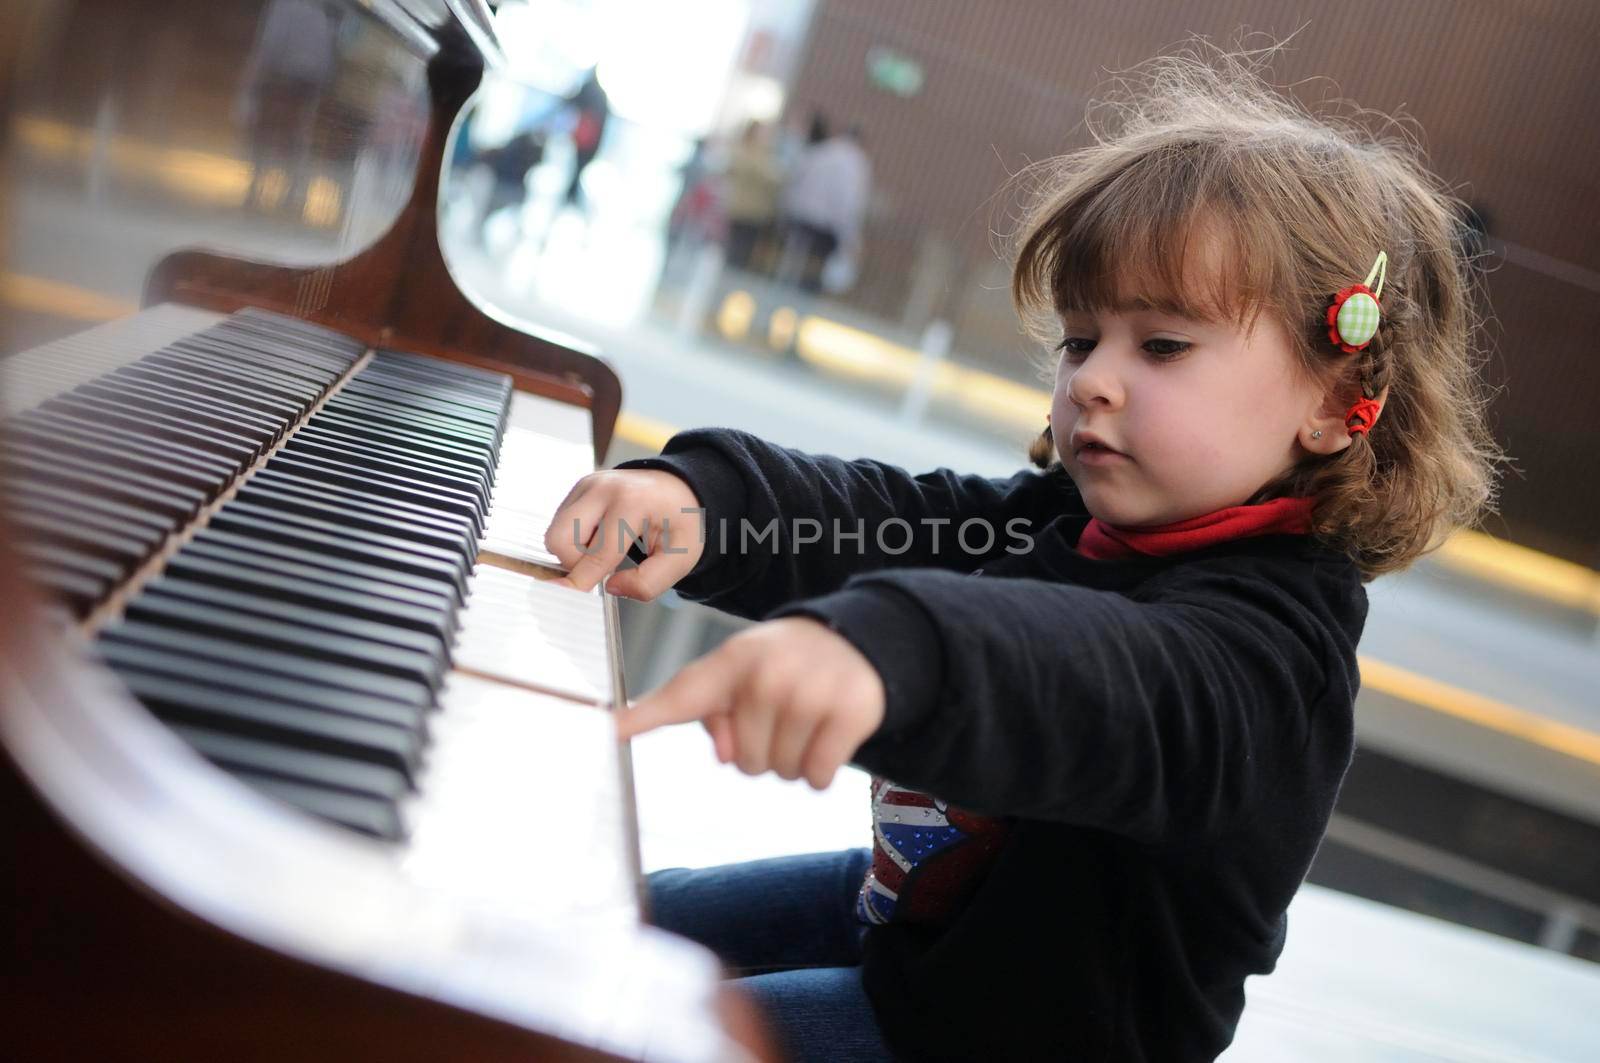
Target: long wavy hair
{"type": "Point", "coordinates": [1303, 205]}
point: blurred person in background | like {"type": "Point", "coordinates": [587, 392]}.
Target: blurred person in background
{"type": "Point", "coordinates": [591, 110]}
{"type": "Point", "coordinates": [698, 217]}
{"type": "Point", "coordinates": [752, 185]}
{"type": "Point", "coordinates": [1108, 732]}
{"type": "Point", "coordinates": [796, 137]}
{"type": "Point", "coordinates": [509, 166]}
{"type": "Point", "coordinates": [824, 205]}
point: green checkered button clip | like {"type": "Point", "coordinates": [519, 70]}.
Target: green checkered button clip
{"type": "Point", "coordinates": [1358, 319]}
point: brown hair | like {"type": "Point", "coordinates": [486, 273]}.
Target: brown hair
{"type": "Point", "coordinates": [1303, 205]}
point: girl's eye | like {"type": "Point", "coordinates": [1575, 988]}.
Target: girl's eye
{"type": "Point", "coordinates": [1075, 347]}
{"type": "Point", "coordinates": [1165, 350]}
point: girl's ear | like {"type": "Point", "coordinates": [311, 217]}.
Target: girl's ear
{"type": "Point", "coordinates": [1325, 431]}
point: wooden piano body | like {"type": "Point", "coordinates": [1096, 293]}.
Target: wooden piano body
{"type": "Point", "coordinates": [158, 908]}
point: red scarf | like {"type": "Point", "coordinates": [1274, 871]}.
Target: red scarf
{"type": "Point", "coordinates": [1281, 516]}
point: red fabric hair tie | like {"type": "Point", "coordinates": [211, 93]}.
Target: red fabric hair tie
{"type": "Point", "coordinates": [1362, 416]}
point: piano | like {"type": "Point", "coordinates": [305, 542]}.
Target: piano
{"type": "Point", "coordinates": [301, 755]}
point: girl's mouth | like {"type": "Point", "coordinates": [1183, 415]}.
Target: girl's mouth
{"type": "Point", "coordinates": [1099, 454]}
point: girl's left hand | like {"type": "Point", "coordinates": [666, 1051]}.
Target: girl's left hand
{"type": "Point", "coordinates": [789, 696]}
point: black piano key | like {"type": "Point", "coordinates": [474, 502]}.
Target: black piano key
{"type": "Point", "coordinates": [56, 528]}
{"type": "Point", "coordinates": [414, 442]}
{"type": "Point", "coordinates": [79, 500]}
{"type": "Point", "coordinates": [380, 413]}
{"type": "Point", "coordinates": [71, 559]}
{"type": "Point", "coordinates": [279, 478]}
{"type": "Point", "coordinates": [256, 522]}
{"type": "Point", "coordinates": [358, 812]}
{"type": "Point", "coordinates": [236, 449]}
{"type": "Point", "coordinates": [185, 615]}
{"type": "Point", "coordinates": [265, 379]}
{"type": "Point", "coordinates": [202, 567]}
{"type": "Point", "coordinates": [350, 516]}
{"type": "Point", "coordinates": [487, 401]}
{"type": "Point", "coordinates": [174, 403]}
{"type": "Point", "coordinates": [431, 612]}
{"type": "Point", "coordinates": [314, 380]}
{"type": "Point", "coordinates": [296, 765]}
{"type": "Point", "coordinates": [120, 455]}
{"type": "Point", "coordinates": [170, 500]}
{"type": "Point", "coordinates": [309, 365]}
{"type": "Point", "coordinates": [215, 646]}
{"type": "Point", "coordinates": [285, 341]}
{"type": "Point", "coordinates": [418, 397]}
{"type": "Point", "coordinates": [82, 593]}
{"type": "Point", "coordinates": [233, 679]}
{"type": "Point", "coordinates": [260, 504]}
{"type": "Point", "coordinates": [493, 387]}
{"type": "Point", "coordinates": [412, 653]}
{"type": "Point", "coordinates": [316, 558]}
{"type": "Point", "coordinates": [171, 508]}
{"type": "Point", "coordinates": [456, 369]}
{"type": "Point", "coordinates": [79, 450]}
{"type": "Point", "coordinates": [68, 513]}
{"type": "Point", "coordinates": [307, 618]}
{"type": "Point", "coordinates": [215, 401]}
{"type": "Point", "coordinates": [380, 485]}
{"type": "Point", "coordinates": [223, 388]}
{"type": "Point", "coordinates": [128, 519]}
{"type": "Point", "coordinates": [426, 410]}
{"type": "Point", "coordinates": [405, 471]}
{"type": "Point", "coordinates": [217, 469]}
{"type": "Point", "coordinates": [307, 333]}
{"type": "Point", "coordinates": [194, 703]}
{"type": "Point", "coordinates": [475, 470]}
{"type": "Point", "coordinates": [416, 393]}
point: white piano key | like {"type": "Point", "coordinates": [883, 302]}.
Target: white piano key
{"type": "Point", "coordinates": [523, 630]}
{"type": "Point", "coordinates": [522, 805]}
{"type": "Point", "coordinates": [552, 419]}
{"type": "Point", "coordinates": [535, 473]}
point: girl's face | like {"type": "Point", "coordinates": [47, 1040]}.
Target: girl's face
{"type": "Point", "coordinates": [1159, 418]}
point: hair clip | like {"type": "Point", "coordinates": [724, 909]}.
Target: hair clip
{"type": "Point", "coordinates": [1353, 317]}
{"type": "Point", "coordinates": [1362, 416]}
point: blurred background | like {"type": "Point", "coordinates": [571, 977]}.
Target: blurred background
{"type": "Point", "coordinates": [787, 215]}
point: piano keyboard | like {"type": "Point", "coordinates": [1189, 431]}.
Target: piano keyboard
{"type": "Point", "coordinates": [275, 538]}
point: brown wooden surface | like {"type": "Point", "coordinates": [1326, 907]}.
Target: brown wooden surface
{"type": "Point", "coordinates": [97, 968]}
{"type": "Point", "coordinates": [399, 292]}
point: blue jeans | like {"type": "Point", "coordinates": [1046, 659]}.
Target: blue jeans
{"type": "Point", "coordinates": [787, 931]}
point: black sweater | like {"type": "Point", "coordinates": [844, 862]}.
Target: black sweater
{"type": "Point", "coordinates": [1165, 736]}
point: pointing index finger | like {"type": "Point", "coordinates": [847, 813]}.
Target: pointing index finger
{"type": "Point", "coordinates": [699, 690]}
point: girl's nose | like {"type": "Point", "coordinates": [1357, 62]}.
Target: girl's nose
{"type": "Point", "coordinates": [1095, 382]}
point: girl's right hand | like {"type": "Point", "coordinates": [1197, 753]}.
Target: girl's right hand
{"type": "Point", "coordinates": [587, 536]}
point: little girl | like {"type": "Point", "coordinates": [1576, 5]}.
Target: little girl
{"type": "Point", "coordinates": [1108, 705]}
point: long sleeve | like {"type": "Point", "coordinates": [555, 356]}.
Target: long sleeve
{"type": "Point", "coordinates": [1162, 720]}
{"type": "Point", "coordinates": [782, 525]}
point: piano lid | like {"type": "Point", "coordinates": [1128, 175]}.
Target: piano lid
{"type": "Point", "coordinates": [284, 131]}
{"type": "Point", "coordinates": [279, 153]}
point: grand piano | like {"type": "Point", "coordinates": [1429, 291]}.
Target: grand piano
{"type": "Point", "coordinates": [301, 756]}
